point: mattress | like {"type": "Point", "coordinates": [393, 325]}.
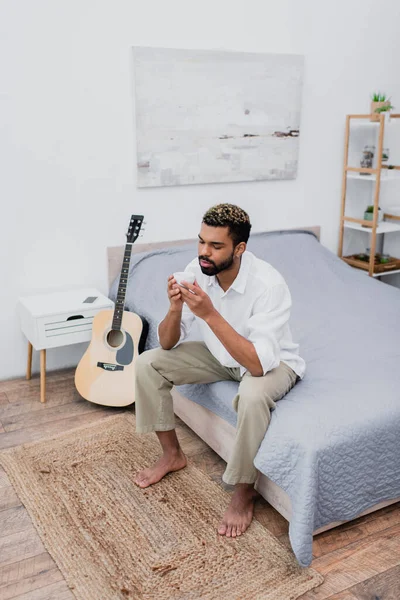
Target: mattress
{"type": "Point", "coordinates": [333, 441]}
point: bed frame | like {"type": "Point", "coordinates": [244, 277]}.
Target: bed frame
{"type": "Point", "coordinates": [215, 431]}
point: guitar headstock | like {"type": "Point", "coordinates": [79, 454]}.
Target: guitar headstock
{"type": "Point", "coordinates": [135, 226]}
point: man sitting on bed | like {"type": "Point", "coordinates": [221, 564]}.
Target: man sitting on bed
{"type": "Point", "coordinates": [242, 305]}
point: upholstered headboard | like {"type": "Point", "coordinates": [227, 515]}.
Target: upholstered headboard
{"type": "Point", "coordinates": [115, 253]}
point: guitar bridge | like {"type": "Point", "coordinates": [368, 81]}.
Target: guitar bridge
{"type": "Point", "coordinates": [110, 366]}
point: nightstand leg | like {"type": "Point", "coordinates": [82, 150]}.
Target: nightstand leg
{"type": "Point", "coordinates": [29, 365]}
{"type": "Point", "coordinates": [43, 376]}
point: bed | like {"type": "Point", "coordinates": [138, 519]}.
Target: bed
{"type": "Point", "coordinates": [332, 451]}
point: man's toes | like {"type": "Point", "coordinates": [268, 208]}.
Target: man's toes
{"type": "Point", "coordinates": [244, 526]}
{"type": "Point", "coordinates": [239, 530]}
{"type": "Point", "coordinates": [229, 531]}
{"type": "Point", "coordinates": [233, 530]}
{"type": "Point", "coordinates": [222, 529]}
{"type": "Point", "coordinates": [142, 480]}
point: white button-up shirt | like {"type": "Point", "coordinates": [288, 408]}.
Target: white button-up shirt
{"type": "Point", "coordinates": [257, 306]}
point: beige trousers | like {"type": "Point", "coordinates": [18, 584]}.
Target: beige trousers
{"type": "Point", "coordinates": [158, 370]}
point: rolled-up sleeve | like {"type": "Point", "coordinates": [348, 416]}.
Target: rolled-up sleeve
{"type": "Point", "coordinates": [268, 323]}
{"type": "Point", "coordinates": [186, 324]}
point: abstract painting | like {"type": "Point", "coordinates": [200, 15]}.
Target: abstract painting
{"type": "Point", "coordinates": [205, 116]}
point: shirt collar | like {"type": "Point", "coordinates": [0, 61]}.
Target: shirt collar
{"type": "Point", "coordinates": [239, 284]}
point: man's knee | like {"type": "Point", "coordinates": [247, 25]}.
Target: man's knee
{"type": "Point", "coordinates": [254, 402]}
{"type": "Point", "coordinates": [255, 394]}
{"type": "Point", "coordinates": [149, 358]}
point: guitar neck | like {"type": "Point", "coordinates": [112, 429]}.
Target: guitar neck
{"type": "Point", "coordinates": [123, 282]}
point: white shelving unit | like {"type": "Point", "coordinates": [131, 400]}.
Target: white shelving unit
{"type": "Point", "coordinates": [379, 175]}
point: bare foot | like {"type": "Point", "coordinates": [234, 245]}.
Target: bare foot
{"type": "Point", "coordinates": [166, 464]}
{"type": "Point", "coordinates": [239, 513]}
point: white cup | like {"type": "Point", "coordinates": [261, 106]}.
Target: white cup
{"type": "Point", "coordinates": [184, 276]}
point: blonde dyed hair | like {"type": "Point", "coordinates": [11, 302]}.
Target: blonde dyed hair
{"type": "Point", "coordinates": [232, 216]}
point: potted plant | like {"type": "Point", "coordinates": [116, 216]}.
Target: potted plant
{"type": "Point", "coordinates": [380, 104]}
{"type": "Point", "coordinates": [386, 110]}
{"type": "Point", "coordinates": [369, 214]}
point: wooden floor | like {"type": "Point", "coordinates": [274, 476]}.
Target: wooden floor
{"type": "Point", "coordinates": [358, 560]}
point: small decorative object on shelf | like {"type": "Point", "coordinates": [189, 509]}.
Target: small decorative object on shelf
{"type": "Point", "coordinates": [367, 158]}
{"type": "Point", "coordinates": [379, 258]}
{"type": "Point", "coordinates": [384, 161]}
{"type": "Point", "coordinates": [380, 104]}
{"type": "Point", "coordinates": [369, 214]}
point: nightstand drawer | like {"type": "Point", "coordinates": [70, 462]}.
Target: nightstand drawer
{"type": "Point", "coordinates": [64, 329]}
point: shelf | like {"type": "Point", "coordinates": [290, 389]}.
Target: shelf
{"type": "Point", "coordinates": [378, 274]}
{"type": "Point", "coordinates": [385, 176]}
{"type": "Point", "coordinates": [358, 123]}
{"type": "Point", "coordinates": [365, 268]}
{"type": "Point", "coordinates": [386, 273]}
{"type": "Point", "coordinates": [365, 119]}
{"type": "Point", "coordinates": [384, 227]}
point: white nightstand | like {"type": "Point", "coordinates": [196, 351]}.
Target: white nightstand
{"type": "Point", "coordinates": [58, 319]}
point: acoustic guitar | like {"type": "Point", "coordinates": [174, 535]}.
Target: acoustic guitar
{"type": "Point", "coordinates": [106, 372]}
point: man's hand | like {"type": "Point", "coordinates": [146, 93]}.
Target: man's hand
{"type": "Point", "coordinates": [174, 295]}
{"type": "Point", "coordinates": [198, 301]}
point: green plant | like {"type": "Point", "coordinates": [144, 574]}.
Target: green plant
{"type": "Point", "coordinates": [384, 108]}
{"type": "Point", "coordinates": [378, 97]}
{"type": "Point", "coordinates": [370, 209]}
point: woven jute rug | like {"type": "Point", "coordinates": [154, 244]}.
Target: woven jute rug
{"type": "Point", "coordinates": [113, 540]}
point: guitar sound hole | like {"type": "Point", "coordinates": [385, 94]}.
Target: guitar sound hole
{"type": "Point", "coordinates": [115, 338]}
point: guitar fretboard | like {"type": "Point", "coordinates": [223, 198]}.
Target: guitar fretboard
{"type": "Point", "coordinates": [123, 282]}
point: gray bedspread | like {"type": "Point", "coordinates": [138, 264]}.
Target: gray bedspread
{"type": "Point", "coordinates": [334, 441]}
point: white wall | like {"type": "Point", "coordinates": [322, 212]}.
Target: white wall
{"type": "Point", "coordinates": [67, 144]}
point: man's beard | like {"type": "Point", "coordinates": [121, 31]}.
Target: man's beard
{"type": "Point", "coordinates": [214, 269]}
